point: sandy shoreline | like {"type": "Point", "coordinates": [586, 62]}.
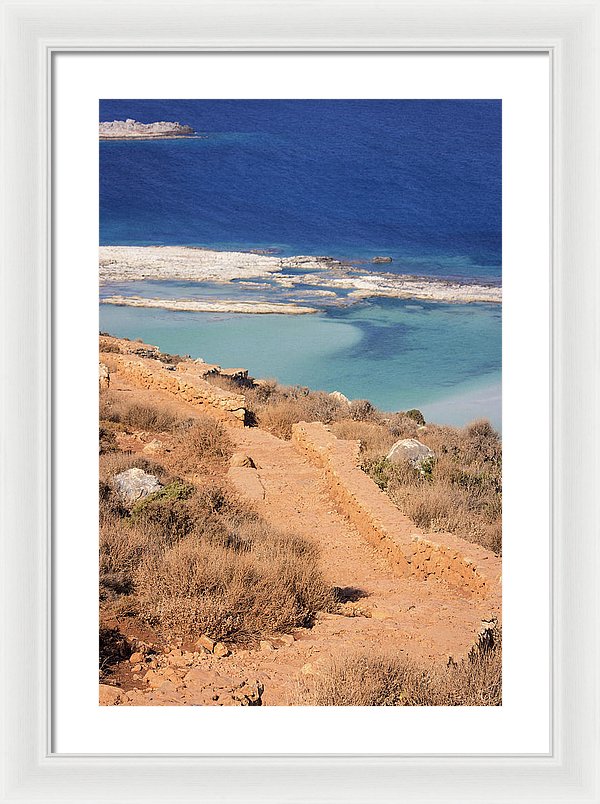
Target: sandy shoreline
{"type": "Point", "coordinates": [183, 263]}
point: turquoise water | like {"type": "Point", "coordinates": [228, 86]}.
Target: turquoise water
{"type": "Point", "coordinates": [417, 180]}
{"type": "Point", "coordinates": [399, 354]}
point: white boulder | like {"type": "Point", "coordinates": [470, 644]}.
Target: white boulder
{"type": "Point", "coordinates": [133, 484]}
{"type": "Point", "coordinates": [409, 450]}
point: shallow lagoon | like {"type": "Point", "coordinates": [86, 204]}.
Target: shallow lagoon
{"type": "Point", "coordinates": [442, 358]}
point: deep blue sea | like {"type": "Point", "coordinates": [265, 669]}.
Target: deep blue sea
{"type": "Point", "coordinates": [419, 181]}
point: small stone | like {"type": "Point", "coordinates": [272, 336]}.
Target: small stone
{"type": "Point", "coordinates": [196, 676]}
{"type": "Point", "coordinates": [240, 459]}
{"type": "Point", "coordinates": [136, 668]}
{"type": "Point", "coordinates": [109, 696]}
{"type": "Point", "coordinates": [205, 642]}
{"type": "Point", "coordinates": [152, 447]}
{"type": "Point", "coordinates": [153, 679]}
{"type": "Point", "coordinates": [287, 639]}
{"type": "Point", "coordinates": [136, 657]}
{"type": "Point", "coordinates": [266, 646]}
{"type": "Point", "coordinates": [221, 650]}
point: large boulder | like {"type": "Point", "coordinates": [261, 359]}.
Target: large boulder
{"type": "Point", "coordinates": [133, 484]}
{"type": "Point", "coordinates": [409, 450]}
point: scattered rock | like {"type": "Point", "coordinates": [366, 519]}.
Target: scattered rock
{"type": "Point", "coordinates": [340, 397]}
{"type": "Point", "coordinates": [409, 450]}
{"type": "Point", "coordinates": [205, 642]}
{"type": "Point", "coordinates": [266, 646]}
{"type": "Point", "coordinates": [197, 676]}
{"type": "Point", "coordinates": [136, 657]}
{"type": "Point", "coordinates": [239, 459]}
{"type": "Point", "coordinates": [153, 678]}
{"type": "Point", "coordinates": [133, 484]}
{"type": "Point", "coordinates": [152, 447]}
{"type": "Point", "coordinates": [381, 259]}
{"type": "Point", "coordinates": [287, 639]}
{"type": "Point", "coordinates": [109, 696]}
{"type": "Point", "coordinates": [249, 694]}
{"type": "Point", "coordinates": [221, 650]}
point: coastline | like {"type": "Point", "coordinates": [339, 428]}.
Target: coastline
{"type": "Point", "coordinates": [190, 264]}
{"type": "Point", "coordinates": [124, 137]}
{"type": "Point", "coordinates": [211, 306]}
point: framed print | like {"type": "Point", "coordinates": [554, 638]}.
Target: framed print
{"type": "Point", "coordinates": [341, 285]}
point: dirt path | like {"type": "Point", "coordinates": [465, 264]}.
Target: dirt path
{"type": "Point", "coordinates": [425, 620]}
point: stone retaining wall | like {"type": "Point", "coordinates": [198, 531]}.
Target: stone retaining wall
{"type": "Point", "coordinates": [465, 566]}
{"type": "Point", "coordinates": [183, 382]}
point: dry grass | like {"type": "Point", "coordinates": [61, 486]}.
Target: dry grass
{"type": "Point", "coordinates": [233, 586]}
{"type": "Point", "coordinates": [460, 492]}
{"type": "Point", "coordinates": [375, 439]}
{"type": "Point", "coordinates": [390, 680]}
{"type": "Point", "coordinates": [133, 416]}
{"type": "Point", "coordinates": [114, 462]}
{"type": "Point", "coordinates": [200, 444]}
{"type": "Point", "coordinates": [190, 562]}
{"type": "Point", "coordinates": [275, 408]}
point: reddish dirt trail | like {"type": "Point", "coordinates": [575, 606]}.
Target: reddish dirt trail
{"type": "Point", "coordinates": [425, 620]}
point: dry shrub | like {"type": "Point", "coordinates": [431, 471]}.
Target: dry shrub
{"type": "Point", "coordinates": [136, 416]}
{"type": "Point", "coordinates": [275, 407]}
{"type": "Point", "coordinates": [281, 411]}
{"type": "Point", "coordinates": [107, 439]}
{"type": "Point", "coordinates": [391, 680]}
{"type": "Point", "coordinates": [278, 416]}
{"type": "Point", "coordinates": [113, 648]}
{"type": "Point", "coordinates": [362, 410]}
{"type": "Point", "coordinates": [259, 582]}
{"type": "Point", "coordinates": [199, 444]}
{"type": "Point", "coordinates": [460, 492]}
{"type": "Point", "coordinates": [112, 463]}
{"type": "Point", "coordinates": [203, 561]}
{"type": "Point", "coordinates": [375, 439]}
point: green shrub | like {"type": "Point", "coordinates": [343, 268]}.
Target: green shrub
{"type": "Point", "coordinates": [415, 415]}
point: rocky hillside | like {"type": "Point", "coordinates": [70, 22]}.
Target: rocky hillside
{"type": "Point", "coordinates": [239, 566]}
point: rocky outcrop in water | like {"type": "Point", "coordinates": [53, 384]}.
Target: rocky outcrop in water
{"type": "Point", "coordinates": [131, 129]}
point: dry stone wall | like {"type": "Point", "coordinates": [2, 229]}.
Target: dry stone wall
{"type": "Point", "coordinates": [183, 382]}
{"type": "Point", "coordinates": [466, 567]}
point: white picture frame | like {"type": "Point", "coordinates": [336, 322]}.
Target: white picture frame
{"type": "Point", "coordinates": [31, 34]}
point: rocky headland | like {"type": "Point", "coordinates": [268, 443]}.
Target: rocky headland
{"type": "Point", "coordinates": [132, 130]}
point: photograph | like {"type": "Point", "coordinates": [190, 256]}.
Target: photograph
{"type": "Point", "coordinates": [300, 402]}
